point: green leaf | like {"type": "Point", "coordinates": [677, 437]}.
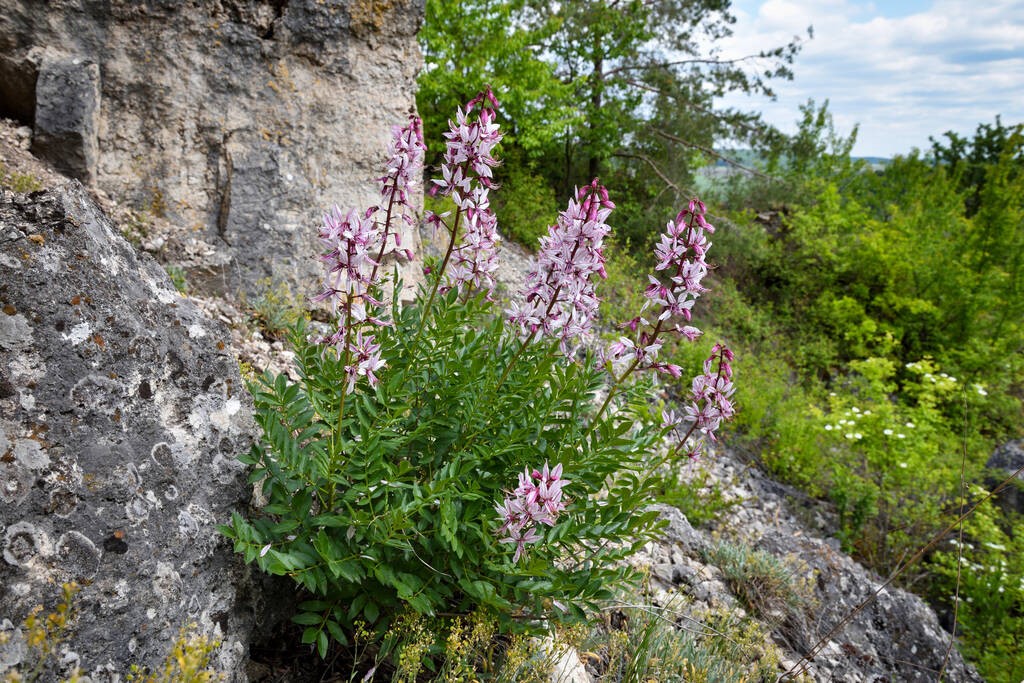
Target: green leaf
{"type": "Point", "coordinates": [371, 611]}
{"type": "Point", "coordinates": [336, 632]}
{"type": "Point", "coordinates": [321, 644]}
{"type": "Point", "coordinates": [307, 618]}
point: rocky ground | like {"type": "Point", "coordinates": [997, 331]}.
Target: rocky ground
{"type": "Point", "coordinates": [892, 634]}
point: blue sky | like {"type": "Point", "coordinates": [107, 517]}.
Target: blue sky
{"type": "Point", "coordinates": [901, 69]}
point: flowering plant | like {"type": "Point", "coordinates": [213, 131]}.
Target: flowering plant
{"type": "Point", "coordinates": [389, 464]}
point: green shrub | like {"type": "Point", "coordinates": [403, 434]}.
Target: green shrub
{"type": "Point", "coordinates": [526, 204]}
{"type": "Point", "coordinates": [390, 464]}
{"type": "Point", "coordinates": [274, 308]}
{"type": "Point", "coordinates": [761, 581]}
{"type": "Point", "coordinates": [178, 278]}
{"type": "Point", "coordinates": [990, 583]}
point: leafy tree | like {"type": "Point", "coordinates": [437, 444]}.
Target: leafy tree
{"type": "Point", "coordinates": [971, 158]}
{"type": "Point", "coordinates": [623, 88]}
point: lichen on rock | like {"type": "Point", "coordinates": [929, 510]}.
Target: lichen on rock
{"type": "Point", "coordinates": [121, 418]}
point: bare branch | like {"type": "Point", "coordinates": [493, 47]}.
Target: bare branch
{"type": "Point", "coordinates": [706, 150]}
{"type": "Point", "coordinates": [680, 62]}
{"type": "Point", "coordinates": [689, 104]}
{"type": "Point", "coordinates": [650, 162]}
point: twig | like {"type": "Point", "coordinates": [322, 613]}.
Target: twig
{"type": "Point", "coordinates": [801, 665]}
{"type": "Point", "coordinates": [708, 150]}
{"type": "Point", "coordinates": [658, 171]}
{"type": "Point", "coordinates": [681, 62]}
{"type": "Point", "coordinates": [959, 545]}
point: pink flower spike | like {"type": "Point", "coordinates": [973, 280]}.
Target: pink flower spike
{"type": "Point", "coordinates": [531, 503]}
{"type": "Point", "coordinates": [559, 292]}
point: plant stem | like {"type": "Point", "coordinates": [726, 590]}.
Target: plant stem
{"type": "Point", "coordinates": [346, 358]}
{"type": "Point", "coordinates": [453, 232]}
{"type": "Point", "coordinates": [387, 230]}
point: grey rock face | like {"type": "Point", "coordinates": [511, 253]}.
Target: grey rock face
{"type": "Point", "coordinates": [895, 635]}
{"type": "Point", "coordinates": [67, 116]}
{"type": "Point", "coordinates": [1009, 458]}
{"type": "Point", "coordinates": [239, 121]}
{"type": "Point", "coordinates": [1005, 461]}
{"type": "Point", "coordinates": [121, 412]}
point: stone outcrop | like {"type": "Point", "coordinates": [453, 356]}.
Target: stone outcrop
{"type": "Point", "coordinates": [237, 121]}
{"type": "Point", "coordinates": [850, 626]}
{"type": "Point", "coordinates": [121, 412]}
{"type": "Point", "coordinates": [1005, 461]}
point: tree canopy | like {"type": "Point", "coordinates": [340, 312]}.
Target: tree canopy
{"type": "Point", "coordinates": [624, 89]}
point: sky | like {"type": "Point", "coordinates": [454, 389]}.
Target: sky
{"type": "Point", "coordinates": [901, 69]}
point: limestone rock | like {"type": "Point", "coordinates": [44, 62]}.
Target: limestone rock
{"type": "Point", "coordinates": [67, 116]}
{"type": "Point", "coordinates": [894, 636]}
{"type": "Point", "coordinates": [236, 122]}
{"type": "Point", "coordinates": [121, 412]}
{"type": "Point", "coordinates": [1005, 461]}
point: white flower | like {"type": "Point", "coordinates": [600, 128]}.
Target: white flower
{"type": "Point", "coordinates": [903, 465]}
{"type": "Point", "coordinates": [910, 425]}
{"type": "Point", "coordinates": [901, 435]}
{"type": "Point", "coordinates": [858, 436]}
{"type": "Point", "coordinates": [828, 428]}
{"type": "Point", "coordinates": [848, 435]}
{"type": "Point", "coordinates": [981, 390]}
{"type": "Point", "coordinates": [887, 432]}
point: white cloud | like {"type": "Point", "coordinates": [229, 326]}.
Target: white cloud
{"type": "Point", "coordinates": [903, 71]}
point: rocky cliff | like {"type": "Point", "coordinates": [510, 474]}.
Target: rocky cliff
{"type": "Point", "coordinates": [121, 412]}
{"type": "Point", "coordinates": [237, 121]}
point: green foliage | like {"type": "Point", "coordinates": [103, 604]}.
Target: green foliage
{"type": "Point", "coordinates": [187, 662]}
{"type": "Point", "coordinates": [794, 167]}
{"type": "Point", "coordinates": [972, 159]}
{"type": "Point", "coordinates": [43, 635]}
{"type": "Point", "coordinates": [990, 583]}
{"type": "Point", "coordinates": [274, 308]}
{"type": "Point", "coordinates": [22, 183]}
{"type": "Point", "coordinates": [761, 581]}
{"type": "Point", "coordinates": [178, 278]}
{"type": "Point", "coordinates": [693, 491]}
{"type": "Point", "coordinates": [385, 502]}
{"type": "Point", "coordinates": [469, 42]}
{"type": "Point", "coordinates": [645, 643]}
{"type": "Point", "coordinates": [599, 88]}
{"type": "Point", "coordinates": [873, 301]}
{"type": "Point", "coordinates": [526, 205]}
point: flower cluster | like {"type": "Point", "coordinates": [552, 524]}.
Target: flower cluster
{"type": "Point", "coordinates": [710, 404]}
{"type": "Point", "coordinates": [559, 298]}
{"type": "Point", "coordinates": [537, 500]}
{"type": "Point", "coordinates": [467, 177]}
{"type": "Point", "coordinates": [402, 176]}
{"type": "Point", "coordinates": [681, 252]}
{"type": "Point", "coordinates": [350, 240]}
{"type": "Point", "coordinates": [349, 285]}
{"type": "Point", "coordinates": [355, 244]}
